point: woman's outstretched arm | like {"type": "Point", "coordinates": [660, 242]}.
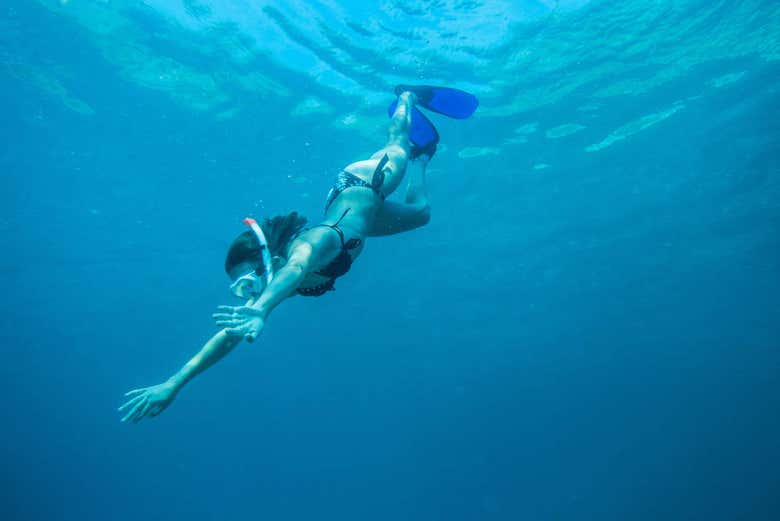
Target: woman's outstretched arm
{"type": "Point", "coordinates": [151, 401]}
{"type": "Point", "coordinates": [244, 322]}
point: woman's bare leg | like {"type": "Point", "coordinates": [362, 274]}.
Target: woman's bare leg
{"type": "Point", "coordinates": [413, 213]}
{"type": "Point", "coordinates": [417, 190]}
{"type": "Point", "coordinates": [396, 149]}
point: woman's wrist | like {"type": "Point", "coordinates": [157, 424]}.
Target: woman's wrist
{"type": "Point", "coordinates": [178, 380]}
{"type": "Point", "coordinates": [262, 307]}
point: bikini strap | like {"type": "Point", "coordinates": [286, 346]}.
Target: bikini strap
{"type": "Point", "coordinates": [350, 244]}
{"type": "Point", "coordinates": [335, 226]}
{"type": "Point", "coordinates": [378, 177]}
{"type": "Point", "coordinates": [340, 218]}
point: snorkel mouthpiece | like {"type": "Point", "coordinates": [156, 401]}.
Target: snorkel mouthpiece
{"type": "Point", "coordinates": [265, 252]}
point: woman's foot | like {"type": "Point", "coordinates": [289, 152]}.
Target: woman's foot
{"type": "Point", "coordinates": [408, 97]}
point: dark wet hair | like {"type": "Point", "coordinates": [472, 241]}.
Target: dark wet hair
{"type": "Point", "coordinates": [279, 232]}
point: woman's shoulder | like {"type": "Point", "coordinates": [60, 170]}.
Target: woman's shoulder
{"type": "Point", "coordinates": [313, 236]}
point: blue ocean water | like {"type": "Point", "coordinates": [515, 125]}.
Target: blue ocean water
{"type": "Point", "coordinates": [587, 329]}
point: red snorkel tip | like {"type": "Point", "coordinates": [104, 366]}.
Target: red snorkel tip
{"type": "Point", "coordinates": [249, 221]}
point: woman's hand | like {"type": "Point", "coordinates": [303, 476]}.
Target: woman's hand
{"type": "Point", "coordinates": [148, 401]}
{"type": "Point", "coordinates": [244, 321]}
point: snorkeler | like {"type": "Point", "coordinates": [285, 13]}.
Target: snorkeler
{"type": "Point", "coordinates": [280, 258]}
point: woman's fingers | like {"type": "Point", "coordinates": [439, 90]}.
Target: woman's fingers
{"type": "Point", "coordinates": [239, 330]}
{"type": "Point", "coordinates": [230, 323]}
{"type": "Point", "coordinates": [134, 410]}
{"type": "Point", "coordinates": [135, 391]}
{"type": "Point", "coordinates": [248, 311]}
{"type": "Point", "coordinates": [229, 318]}
{"type": "Point", "coordinates": [142, 412]}
{"type": "Point", "coordinates": [130, 402]}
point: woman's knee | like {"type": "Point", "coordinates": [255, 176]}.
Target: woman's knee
{"type": "Point", "coordinates": [398, 154]}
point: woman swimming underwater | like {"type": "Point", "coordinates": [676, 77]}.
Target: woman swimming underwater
{"type": "Point", "coordinates": [280, 258]}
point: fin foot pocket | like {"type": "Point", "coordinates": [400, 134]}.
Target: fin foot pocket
{"type": "Point", "coordinates": [422, 133]}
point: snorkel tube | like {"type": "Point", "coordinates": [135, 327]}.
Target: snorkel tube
{"type": "Point", "coordinates": [265, 252]}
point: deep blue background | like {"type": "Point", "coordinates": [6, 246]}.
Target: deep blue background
{"type": "Point", "coordinates": [598, 340]}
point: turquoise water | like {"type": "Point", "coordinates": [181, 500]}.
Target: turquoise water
{"type": "Point", "coordinates": [587, 329]}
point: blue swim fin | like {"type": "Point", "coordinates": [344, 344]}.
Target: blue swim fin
{"type": "Point", "coordinates": [422, 134]}
{"type": "Point", "coordinates": [450, 102]}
